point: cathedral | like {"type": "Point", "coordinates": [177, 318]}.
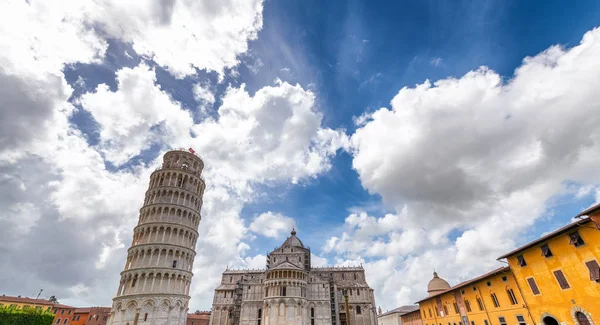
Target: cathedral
{"type": "Point", "coordinates": [290, 291]}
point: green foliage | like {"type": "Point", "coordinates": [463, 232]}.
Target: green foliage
{"type": "Point", "coordinates": [29, 316]}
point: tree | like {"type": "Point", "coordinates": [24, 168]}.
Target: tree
{"type": "Point", "coordinates": [53, 299]}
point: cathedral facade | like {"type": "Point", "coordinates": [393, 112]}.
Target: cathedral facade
{"type": "Point", "coordinates": [290, 291]}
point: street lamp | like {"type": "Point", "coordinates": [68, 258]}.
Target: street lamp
{"type": "Point", "coordinates": [345, 292]}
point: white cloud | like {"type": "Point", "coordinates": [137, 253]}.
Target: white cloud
{"type": "Point", "coordinates": [138, 114]}
{"type": "Point", "coordinates": [203, 94]}
{"type": "Point", "coordinates": [476, 155]}
{"type": "Point", "coordinates": [273, 225]}
{"type": "Point", "coordinates": [183, 35]}
{"type": "Point", "coordinates": [257, 262]}
{"type": "Point", "coordinates": [273, 136]}
{"type": "Point", "coordinates": [178, 35]}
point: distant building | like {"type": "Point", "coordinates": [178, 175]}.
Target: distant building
{"type": "Point", "coordinates": [559, 273]}
{"type": "Point", "coordinates": [411, 318]}
{"type": "Point", "coordinates": [198, 318]}
{"type": "Point", "coordinates": [91, 316]}
{"type": "Point", "coordinates": [554, 280]}
{"type": "Point", "coordinates": [291, 291]}
{"type": "Point", "coordinates": [394, 316]}
{"type": "Point", "coordinates": [19, 302]}
{"type": "Point", "coordinates": [491, 299]}
{"type": "Point", "coordinates": [63, 314]}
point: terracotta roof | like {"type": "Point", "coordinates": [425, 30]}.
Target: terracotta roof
{"type": "Point", "coordinates": [542, 239]}
{"type": "Point", "coordinates": [401, 310]}
{"type": "Point", "coordinates": [466, 283]}
{"type": "Point", "coordinates": [92, 309]}
{"type": "Point", "coordinates": [589, 211]}
{"type": "Point", "coordinates": [202, 315]}
{"type": "Point", "coordinates": [27, 300]}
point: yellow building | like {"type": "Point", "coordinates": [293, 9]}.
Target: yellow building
{"type": "Point", "coordinates": [63, 313]}
{"type": "Point", "coordinates": [559, 273]}
{"type": "Point", "coordinates": [24, 303]}
{"type": "Point", "coordinates": [491, 299]}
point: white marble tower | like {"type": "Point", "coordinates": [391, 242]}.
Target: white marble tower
{"type": "Point", "coordinates": [155, 284]}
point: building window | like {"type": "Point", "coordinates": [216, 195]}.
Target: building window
{"type": "Point", "coordinates": [354, 276]}
{"type": "Point", "coordinates": [358, 292]}
{"type": "Point", "coordinates": [480, 303]}
{"type": "Point", "coordinates": [65, 321]}
{"type": "Point", "coordinates": [546, 252]}
{"type": "Point", "coordinates": [445, 310]}
{"type": "Point", "coordinates": [485, 322]}
{"type": "Point", "coordinates": [132, 285]}
{"type": "Point", "coordinates": [342, 276]}
{"type": "Point", "coordinates": [283, 291]}
{"type": "Point", "coordinates": [489, 283]}
{"type": "Point", "coordinates": [174, 264]}
{"type": "Point", "coordinates": [259, 316]}
{"type": "Point", "coordinates": [58, 321]}
{"type": "Point", "coordinates": [495, 300]}
{"type": "Point", "coordinates": [504, 279]}
{"type": "Point", "coordinates": [534, 288]}
{"type": "Point", "coordinates": [430, 314]}
{"type": "Point", "coordinates": [312, 316]}
{"type": "Point", "coordinates": [145, 317]}
{"type": "Point", "coordinates": [62, 311]}
{"type": "Point", "coordinates": [582, 319]}
{"type": "Point", "coordinates": [358, 311]}
{"type": "Point", "coordinates": [562, 281]}
{"type": "Point", "coordinates": [455, 307]}
{"type": "Point", "coordinates": [576, 240]}
{"type": "Point", "coordinates": [70, 312]}
{"type": "Point", "coordinates": [502, 320]}
{"type": "Point", "coordinates": [511, 296]}
{"type": "Point", "coordinates": [521, 260]}
{"type": "Point", "coordinates": [521, 320]}
{"type": "Point", "coordinates": [424, 315]}
{"type": "Point", "coordinates": [594, 270]}
{"type": "Point", "coordinates": [472, 322]}
{"type": "Point", "coordinates": [468, 305]}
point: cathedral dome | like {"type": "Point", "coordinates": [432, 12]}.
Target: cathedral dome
{"type": "Point", "coordinates": [293, 240]}
{"type": "Point", "coordinates": [437, 285]}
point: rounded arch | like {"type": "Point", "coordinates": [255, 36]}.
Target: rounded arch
{"type": "Point", "coordinates": [548, 319]}
{"type": "Point", "coordinates": [581, 316]}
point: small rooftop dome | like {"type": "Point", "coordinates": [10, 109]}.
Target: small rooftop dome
{"type": "Point", "coordinates": [437, 285]}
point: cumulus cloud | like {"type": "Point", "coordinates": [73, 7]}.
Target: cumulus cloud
{"type": "Point", "coordinates": [270, 224]}
{"type": "Point", "coordinates": [179, 35]}
{"type": "Point", "coordinates": [136, 115]}
{"type": "Point", "coordinates": [272, 136]}
{"type": "Point", "coordinates": [473, 154]}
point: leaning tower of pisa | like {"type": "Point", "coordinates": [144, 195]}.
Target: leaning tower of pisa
{"type": "Point", "coordinates": [155, 284]}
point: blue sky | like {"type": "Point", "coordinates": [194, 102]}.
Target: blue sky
{"type": "Point", "coordinates": [307, 113]}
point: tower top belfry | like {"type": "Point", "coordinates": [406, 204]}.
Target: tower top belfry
{"type": "Point", "coordinates": [155, 282]}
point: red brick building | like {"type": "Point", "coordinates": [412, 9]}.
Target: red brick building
{"type": "Point", "coordinates": [198, 318]}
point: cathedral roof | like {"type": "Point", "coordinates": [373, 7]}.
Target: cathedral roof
{"type": "Point", "coordinates": [293, 240]}
{"type": "Point", "coordinates": [287, 265]}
